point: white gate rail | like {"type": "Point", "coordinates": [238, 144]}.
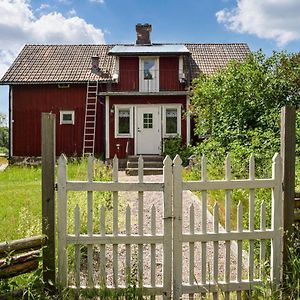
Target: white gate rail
{"type": "Point", "coordinates": [212, 283]}
{"type": "Point", "coordinates": [173, 237]}
{"type": "Point", "coordinates": [115, 239]}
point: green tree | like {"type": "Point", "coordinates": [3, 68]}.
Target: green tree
{"type": "Point", "coordinates": [3, 134]}
{"type": "Point", "coordinates": [238, 107]}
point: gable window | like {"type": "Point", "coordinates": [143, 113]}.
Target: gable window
{"type": "Point", "coordinates": [67, 117]}
{"type": "Point", "coordinates": [172, 118]}
{"type": "Point", "coordinates": [149, 74]}
{"type": "Point", "coordinates": [123, 121]}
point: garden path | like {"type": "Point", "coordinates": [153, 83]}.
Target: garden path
{"type": "Point", "coordinates": [156, 199]}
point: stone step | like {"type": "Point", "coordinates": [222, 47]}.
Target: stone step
{"type": "Point", "coordinates": [147, 171]}
{"type": "Point", "coordinates": [147, 164]}
{"type": "Point", "coordinates": [146, 158]}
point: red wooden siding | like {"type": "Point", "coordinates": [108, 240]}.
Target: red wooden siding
{"type": "Point", "coordinates": [168, 74]}
{"type": "Point", "coordinates": [120, 150]}
{"type": "Point", "coordinates": [28, 104]}
{"type": "Point", "coordinates": [129, 74]}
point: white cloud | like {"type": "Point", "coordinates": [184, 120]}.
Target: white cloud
{"type": "Point", "coordinates": [270, 19]}
{"type": "Point", "coordinates": [19, 25]}
{"type": "Point", "coordinates": [97, 1]}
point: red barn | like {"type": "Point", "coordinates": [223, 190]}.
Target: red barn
{"type": "Point", "coordinates": [108, 99]}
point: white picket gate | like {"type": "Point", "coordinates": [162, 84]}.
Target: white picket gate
{"type": "Point", "coordinates": [173, 238]}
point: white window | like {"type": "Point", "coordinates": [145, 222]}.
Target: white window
{"type": "Point", "coordinates": [149, 74]}
{"type": "Point", "coordinates": [123, 121]}
{"type": "Point", "coordinates": [67, 117]}
{"type": "Point", "coordinates": [172, 120]}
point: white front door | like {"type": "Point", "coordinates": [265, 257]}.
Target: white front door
{"type": "Point", "coordinates": [148, 130]}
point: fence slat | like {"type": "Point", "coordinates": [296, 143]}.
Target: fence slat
{"type": "Point", "coordinates": [102, 249]}
{"type": "Point", "coordinates": [90, 222]}
{"type": "Point", "coordinates": [128, 246]}
{"type": "Point", "coordinates": [115, 223]}
{"type": "Point", "coordinates": [153, 259]}
{"type": "Point", "coordinates": [192, 248]}
{"type": "Point", "coordinates": [140, 221]}
{"type": "Point", "coordinates": [227, 222]}
{"type": "Point", "coordinates": [216, 249]}
{"type": "Point", "coordinates": [276, 242]}
{"type": "Point", "coordinates": [262, 242]}
{"type": "Point", "coordinates": [77, 247]}
{"type": "Point", "coordinates": [167, 223]}
{"type": "Point", "coordinates": [203, 222]}
{"type": "Point", "coordinates": [62, 222]}
{"type": "Point", "coordinates": [240, 247]}
{"type": "Point", "coordinates": [177, 228]}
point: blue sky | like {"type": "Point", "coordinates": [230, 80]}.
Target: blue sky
{"type": "Point", "coordinates": [268, 25]}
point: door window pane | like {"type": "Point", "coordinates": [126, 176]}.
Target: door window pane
{"type": "Point", "coordinates": [149, 65]}
{"type": "Point", "coordinates": [171, 120]}
{"type": "Point", "coordinates": [124, 121]}
{"type": "Point", "coordinates": [148, 120]}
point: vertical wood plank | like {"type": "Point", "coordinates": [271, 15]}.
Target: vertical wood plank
{"type": "Point", "coordinates": [115, 223]}
{"type": "Point", "coordinates": [77, 246]}
{"type": "Point", "coordinates": [140, 221]}
{"type": "Point", "coordinates": [288, 154]}
{"type": "Point", "coordinates": [216, 249]}
{"type": "Point", "coordinates": [153, 233]}
{"type": "Point", "coordinates": [62, 222]}
{"type": "Point", "coordinates": [203, 222]}
{"type": "Point", "coordinates": [90, 221]}
{"type": "Point", "coordinates": [251, 219]}
{"type": "Point", "coordinates": [227, 222]}
{"type": "Point", "coordinates": [276, 242]}
{"type": "Point", "coordinates": [128, 246]}
{"type": "Point", "coordinates": [102, 249]}
{"type": "Point", "coordinates": [48, 197]}
{"type": "Point", "coordinates": [192, 249]}
{"type": "Point", "coordinates": [262, 242]}
{"type": "Point", "coordinates": [167, 223]}
{"type": "Point", "coordinates": [177, 228]}
{"type": "Point", "coordinates": [240, 247]}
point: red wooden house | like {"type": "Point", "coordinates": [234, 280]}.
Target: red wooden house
{"type": "Point", "coordinates": [108, 99]}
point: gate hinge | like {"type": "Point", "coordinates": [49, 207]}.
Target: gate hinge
{"type": "Point", "coordinates": [166, 218]}
{"type": "Point", "coordinates": [55, 187]}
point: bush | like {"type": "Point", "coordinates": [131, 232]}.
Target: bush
{"type": "Point", "coordinates": [173, 146]}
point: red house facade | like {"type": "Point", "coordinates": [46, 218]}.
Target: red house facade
{"type": "Point", "coordinates": [108, 99]}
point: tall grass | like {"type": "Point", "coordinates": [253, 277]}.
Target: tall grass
{"type": "Point", "coordinates": [20, 197]}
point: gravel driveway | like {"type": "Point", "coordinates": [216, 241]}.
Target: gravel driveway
{"type": "Point", "coordinates": [156, 199]}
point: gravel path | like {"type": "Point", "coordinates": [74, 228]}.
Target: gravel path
{"type": "Point", "coordinates": [156, 199]}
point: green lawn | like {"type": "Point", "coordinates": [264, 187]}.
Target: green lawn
{"type": "Point", "coordinates": [20, 197]}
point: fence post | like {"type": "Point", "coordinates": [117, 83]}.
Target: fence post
{"type": "Point", "coordinates": [287, 151]}
{"type": "Point", "coordinates": [48, 197]}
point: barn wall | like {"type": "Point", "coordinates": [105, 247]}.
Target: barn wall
{"type": "Point", "coordinates": [134, 100]}
{"type": "Point", "coordinates": [28, 104]}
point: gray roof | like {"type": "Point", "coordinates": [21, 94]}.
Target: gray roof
{"type": "Point", "coordinates": [72, 63]}
{"type": "Point", "coordinates": [146, 50]}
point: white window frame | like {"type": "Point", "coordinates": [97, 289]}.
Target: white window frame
{"type": "Point", "coordinates": [178, 108]}
{"type": "Point", "coordinates": [123, 135]}
{"type": "Point", "coordinates": [64, 112]}
{"type": "Point", "coordinates": [141, 73]}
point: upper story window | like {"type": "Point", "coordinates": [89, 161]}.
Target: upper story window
{"type": "Point", "coordinates": [149, 69]}
{"type": "Point", "coordinates": [149, 74]}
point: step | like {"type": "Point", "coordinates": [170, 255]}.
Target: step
{"type": "Point", "coordinates": [146, 158]}
{"type": "Point", "coordinates": [147, 171]}
{"type": "Point", "coordinates": [147, 164]}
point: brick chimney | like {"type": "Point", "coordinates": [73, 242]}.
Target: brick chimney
{"type": "Point", "coordinates": [143, 34]}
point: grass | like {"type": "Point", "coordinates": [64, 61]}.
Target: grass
{"type": "Point", "coordinates": [20, 197]}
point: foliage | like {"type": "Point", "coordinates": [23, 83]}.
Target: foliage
{"type": "Point", "coordinates": [173, 146]}
{"type": "Point", "coordinates": [3, 134]}
{"type": "Point", "coordinates": [238, 107]}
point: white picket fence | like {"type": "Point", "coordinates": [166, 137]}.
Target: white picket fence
{"type": "Point", "coordinates": [172, 239]}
